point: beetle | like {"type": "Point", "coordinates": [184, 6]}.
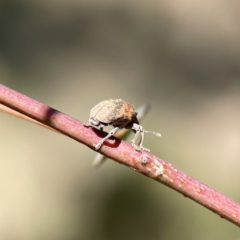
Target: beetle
{"type": "Point", "coordinates": [119, 114]}
{"type": "Point", "coordinates": [142, 111]}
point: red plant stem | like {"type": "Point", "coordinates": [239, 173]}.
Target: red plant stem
{"type": "Point", "coordinates": [124, 153]}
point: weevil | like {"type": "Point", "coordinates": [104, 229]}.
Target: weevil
{"type": "Point", "coordinates": [119, 114]}
{"type": "Point", "coordinates": [142, 111]}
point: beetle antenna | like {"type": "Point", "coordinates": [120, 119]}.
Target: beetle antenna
{"type": "Point", "coordinates": [155, 133]}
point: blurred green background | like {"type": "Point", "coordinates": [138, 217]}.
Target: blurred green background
{"type": "Point", "coordinates": [182, 57]}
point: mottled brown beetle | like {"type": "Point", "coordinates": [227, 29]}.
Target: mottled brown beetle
{"type": "Point", "coordinates": [119, 114]}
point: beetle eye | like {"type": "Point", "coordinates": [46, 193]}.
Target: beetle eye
{"type": "Point", "coordinates": [94, 122]}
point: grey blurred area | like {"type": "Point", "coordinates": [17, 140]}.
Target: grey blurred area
{"type": "Point", "coordinates": [182, 57]}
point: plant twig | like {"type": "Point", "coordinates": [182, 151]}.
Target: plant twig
{"type": "Point", "coordinates": [124, 153]}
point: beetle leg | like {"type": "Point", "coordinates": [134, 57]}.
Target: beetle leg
{"type": "Point", "coordinates": [111, 133]}
{"type": "Point", "coordinates": [134, 141]}
{"type": "Point", "coordinates": [87, 124]}
{"type": "Point", "coordinates": [99, 126]}
{"type": "Point", "coordinates": [141, 142]}
{"type": "Point", "coordinates": [139, 132]}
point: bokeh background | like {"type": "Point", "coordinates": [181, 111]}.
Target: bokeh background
{"type": "Point", "coordinates": [182, 57]}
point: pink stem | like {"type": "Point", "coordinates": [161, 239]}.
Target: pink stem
{"type": "Point", "coordinates": [124, 153]}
